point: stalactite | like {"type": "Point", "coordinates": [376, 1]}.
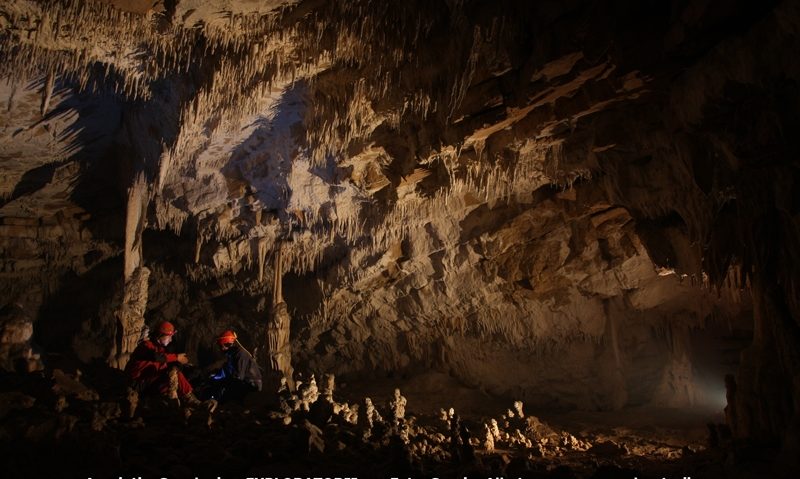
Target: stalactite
{"type": "Point", "coordinates": [198, 247]}
{"type": "Point", "coordinates": [47, 92]}
{"type": "Point", "coordinates": [242, 88]}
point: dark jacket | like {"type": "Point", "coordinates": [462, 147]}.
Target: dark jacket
{"type": "Point", "coordinates": [241, 366]}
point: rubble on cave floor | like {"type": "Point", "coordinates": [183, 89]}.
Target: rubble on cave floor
{"type": "Point", "coordinates": [67, 425]}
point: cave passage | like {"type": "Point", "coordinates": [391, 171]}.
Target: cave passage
{"type": "Point", "coordinates": [458, 238]}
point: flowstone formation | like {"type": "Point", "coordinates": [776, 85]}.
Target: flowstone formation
{"type": "Point", "coordinates": [580, 205]}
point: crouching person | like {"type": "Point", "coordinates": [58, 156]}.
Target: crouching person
{"type": "Point", "coordinates": [239, 375]}
{"type": "Point", "coordinates": [153, 370]}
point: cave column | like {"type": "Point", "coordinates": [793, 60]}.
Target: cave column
{"type": "Point", "coordinates": [280, 354]}
{"type": "Point", "coordinates": [130, 316]}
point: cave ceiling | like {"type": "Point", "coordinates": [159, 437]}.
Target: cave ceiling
{"type": "Point", "coordinates": [437, 174]}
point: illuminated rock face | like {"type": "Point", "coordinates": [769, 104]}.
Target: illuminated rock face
{"type": "Point", "coordinates": [548, 201]}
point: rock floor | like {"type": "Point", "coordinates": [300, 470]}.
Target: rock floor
{"type": "Point", "coordinates": [66, 426]}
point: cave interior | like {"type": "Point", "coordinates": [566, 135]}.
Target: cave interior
{"type": "Point", "coordinates": [552, 238]}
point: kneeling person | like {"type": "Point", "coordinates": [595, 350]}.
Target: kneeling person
{"type": "Point", "coordinates": [239, 375]}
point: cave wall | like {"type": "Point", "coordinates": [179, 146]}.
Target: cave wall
{"type": "Point", "coordinates": [548, 200]}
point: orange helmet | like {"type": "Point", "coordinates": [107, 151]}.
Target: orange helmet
{"type": "Point", "coordinates": [227, 337]}
{"type": "Point", "coordinates": [165, 328]}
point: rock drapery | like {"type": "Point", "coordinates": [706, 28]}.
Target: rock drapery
{"type": "Point", "coordinates": [547, 200]}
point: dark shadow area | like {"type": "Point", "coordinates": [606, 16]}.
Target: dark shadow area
{"type": "Point", "coordinates": [168, 250]}
{"type": "Point", "coordinates": [658, 244]}
{"type": "Point", "coordinates": [264, 159]}
{"type": "Point", "coordinates": [301, 293]}
{"type": "Point", "coordinates": [33, 180]}
{"type": "Point", "coordinates": [240, 312]}
{"type": "Point", "coordinates": [77, 305]}
{"type": "Point", "coordinates": [85, 140]}
{"type": "Point", "coordinates": [485, 219]}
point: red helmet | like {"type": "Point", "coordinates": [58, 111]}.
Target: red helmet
{"type": "Point", "coordinates": [227, 337]}
{"type": "Point", "coordinates": [165, 328]}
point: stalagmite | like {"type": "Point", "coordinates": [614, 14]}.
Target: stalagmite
{"type": "Point", "coordinates": [398, 406]}
{"type": "Point", "coordinates": [371, 416]}
{"type": "Point", "coordinates": [172, 386]}
{"type": "Point", "coordinates": [329, 386]}
{"type": "Point", "coordinates": [309, 393]}
{"type": "Point", "coordinates": [279, 347]}
{"type": "Point", "coordinates": [130, 316]}
{"type": "Point", "coordinates": [488, 439]}
{"type": "Point", "coordinates": [518, 409]}
{"type": "Point", "coordinates": [132, 398]}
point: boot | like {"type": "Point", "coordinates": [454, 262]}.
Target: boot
{"type": "Point", "coordinates": [190, 400]}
